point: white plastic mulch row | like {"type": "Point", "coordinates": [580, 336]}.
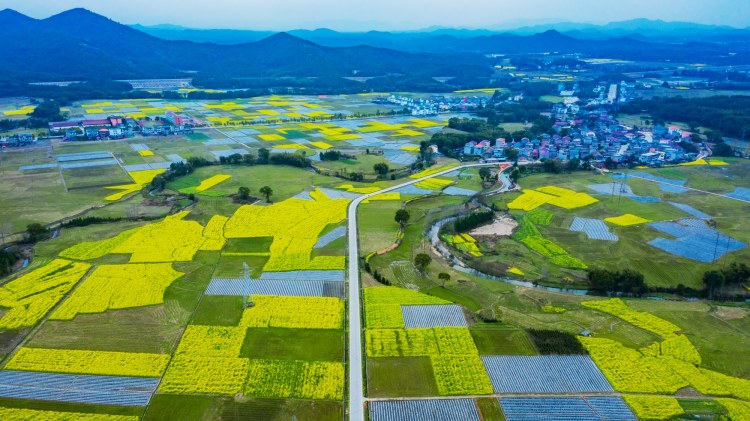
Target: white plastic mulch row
{"type": "Point", "coordinates": [583, 408]}
{"type": "Point", "coordinates": [240, 287]}
{"type": "Point", "coordinates": [594, 229]}
{"type": "Point", "coordinates": [545, 374]}
{"type": "Point", "coordinates": [424, 410]}
{"type": "Point", "coordinates": [429, 316]}
{"type": "Point", "coordinates": [100, 390]}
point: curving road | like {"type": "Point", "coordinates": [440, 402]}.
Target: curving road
{"type": "Point", "coordinates": [356, 375]}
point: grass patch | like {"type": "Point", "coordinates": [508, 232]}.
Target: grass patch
{"type": "Point", "coordinates": [490, 410]}
{"type": "Point", "coordinates": [457, 298]}
{"type": "Point", "coordinates": [294, 344]}
{"type": "Point", "coordinates": [553, 342]}
{"type": "Point", "coordinates": [69, 407]}
{"type": "Point", "coordinates": [182, 407]}
{"type": "Point", "coordinates": [400, 377]}
{"type": "Point", "coordinates": [282, 410]}
{"type": "Point", "coordinates": [248, 245]}
{"type": "Point", "coordinates": [490, 341]}
{"type": "Point", "coordinates": [219, 310]}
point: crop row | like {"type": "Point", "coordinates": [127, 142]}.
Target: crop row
{"type": "Point", "coordinates": [31, 296]}
{"type": "Point", "coordinates": [294, 312]}
{"type": "Point", "coordinates": [118, 287]}
{"type": "Point", "coordinates": [89, 362]}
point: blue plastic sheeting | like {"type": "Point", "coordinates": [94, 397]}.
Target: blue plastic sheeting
{"type": "Point", "coordinates": [424, 410]}
{"type": "Point", "coordinates": [339, 194]}
{"type": "Point", "coordinates": [620, 189]}
{"type": "Point", "coordinates": [217, 142]}
{"type": "Point", "coordinates": [740, 193]}
{"type": "Point", "coordinates": [594, 408]}
{"type": "Point", "coordinates": [332, 236]}
{"type": "Point", "coordinates": [304, 195]}
{"type": "Point", "coordinates": [412, 189]}
{"type": "Point", "coordinates": [36, 167]}
{"type": "Point", "coordinates": [400, 158]}
{"type": "Point", "coordinates": [139, 147]}
{"type": "Point", "coordinates": [694, 241]}
{"type": "Point", "coordinates": [306, 275]}
{"type": "Point", "coordinates": [105, 390]}
{"type": "Point", "coordinates": [84, 156]}
{"type": "Point", "coordinates": [145, 167]}
{"type": "Point", "coordinates": [428, 316]}
{"type": "Point", "coordinates": [545, 374]}
{"type": "Point", "coordinates": [457, 191]}
{"type": "Point", "coordinates": [173, 157]}
{"type": "Point", "coordinates": [667, 188]}
{"type": "Point", "coordinates": [73, 165]}
{"type": "Point", "coordinates": [594, 229]}
{"type": "Point", "coordinates": [240, 287]}
{"type": "Point", "coordinates": [658, 179]}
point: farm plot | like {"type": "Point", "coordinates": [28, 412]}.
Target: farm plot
{"type": "Point", "coordinates": [626, 220]}
{"type": "Point", "coordinates": [141, 178]}
{"type": "Point", "coordinates": [741, 193]}
{"type": "Point", "coordinates": [206, 184]}
{"type": "Point", "coordinates": [667, 185]}
{"type": "Point", "coordinates": [171, 240]}
{"type": "Point", "coordinates": [530, 236]}
{"type": "Point", "coordinates": [427, 316]}
{"type": "Point", "coordinates": [664, 367]}
{"type": "Point", "coordinates": [21, 414]}
{"type": "Point", "coordinates": [383, 305]}
{"type": "Point", "coordinates": [580, 408]}
{"type": "Point", "coordinates": [594, 229]}
{"type": "Point", "coordinates": [242, 288]}
{"type": "Point", "coordinates": [562, 374]}
{"type": "Point", "coordinates": [691, 210]}
{"type": "Point", "coordinates": [31, 296]}
{"type": "Point", "coordinates": [112, 287]}
{"type": "Point", "coordinates": [621, 189]}
{"type": "Point", "coordinates": [295, 225]}
{"type": "Point", "coordinates": [74, 388]}
{"type": "Point", "coordinates": [424, 410]}
{"type": "Point", "coordinates": [694, 242]}
{"type": "Point", "coordinates": [294, 312]}
{"type": "Point", "coordinates": [654, 407]}
{"type": "Point", "coordinates": [330, 237]}
{"type": "Point", "coordinates": [298, 379]}
{"type": "Point", "coordinates": [89, 362]}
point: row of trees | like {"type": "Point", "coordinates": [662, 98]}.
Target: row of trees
{"type": "Point", "coordinates": [734, 275]}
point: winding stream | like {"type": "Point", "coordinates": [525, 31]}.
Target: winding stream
{"type": "Point", "coordinates": [434, 234]}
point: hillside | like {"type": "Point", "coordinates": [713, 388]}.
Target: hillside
{"type": "Point", "coordinates": [80, 44]}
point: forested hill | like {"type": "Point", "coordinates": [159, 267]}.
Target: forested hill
{"type": "Point", "coordinates": [79, 44]}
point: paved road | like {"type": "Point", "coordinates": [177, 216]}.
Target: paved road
{"type": "Point", "coordinates": [356, 375]}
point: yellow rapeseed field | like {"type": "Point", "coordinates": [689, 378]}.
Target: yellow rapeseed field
{"type": "Point", "coordinates": [89, 362]}
{"type": "Point", "coordinates": [113, 287]}
{"type": "Point", "coordinates": [295, 225]}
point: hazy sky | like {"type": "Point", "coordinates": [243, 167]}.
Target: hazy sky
{"type": "Point", "coordinates": [355, 15]}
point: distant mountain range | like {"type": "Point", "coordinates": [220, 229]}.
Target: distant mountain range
{"type": "Point", "coordinates": [79, 44]}
{"type": "Point", "coordinates": [643, 29]}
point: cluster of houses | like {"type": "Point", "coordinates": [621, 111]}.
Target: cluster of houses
{"type": "Point", "coordinates": [20, 139]}
{"type": "Point", "coordinates": [434, 104]}
{"type": "Point", "coordinates": [116, 127]}
{"type": "Point", "coordinates": [596, 136]}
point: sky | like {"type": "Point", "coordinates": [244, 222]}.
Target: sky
{"type": "Point", "coordinates": [359, 15]}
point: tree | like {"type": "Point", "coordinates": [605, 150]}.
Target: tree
{"type": "Point", "coordinates": [36, 232]}
{"type": "Point", "coordinates": [444, 277]}
{"type": "Point", "coordinates": [267, 192]}
{"type": "Point", "coordinates": [402, 217]}
{"type": "Point", "coordinates": [514, 175]}
{"type": "Point", "coordinates": [736, 274]}
{"type": "Point", "coordinates": [243, 193]}
{"type": "Point", "coordinates": [381, 168]}
{"type": "Point", "coordinates": [485, 173]}
{"type": "Point", "coordinates": [421, 261]}
{"type": "Point", "coordinates": [722, 149]}
{"type": "Point", "coordinates": [511, 154]}
{"type": "Point", "coordinates": [263, 155]}
{"type": "Point", "coordinates": [714, 281]}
